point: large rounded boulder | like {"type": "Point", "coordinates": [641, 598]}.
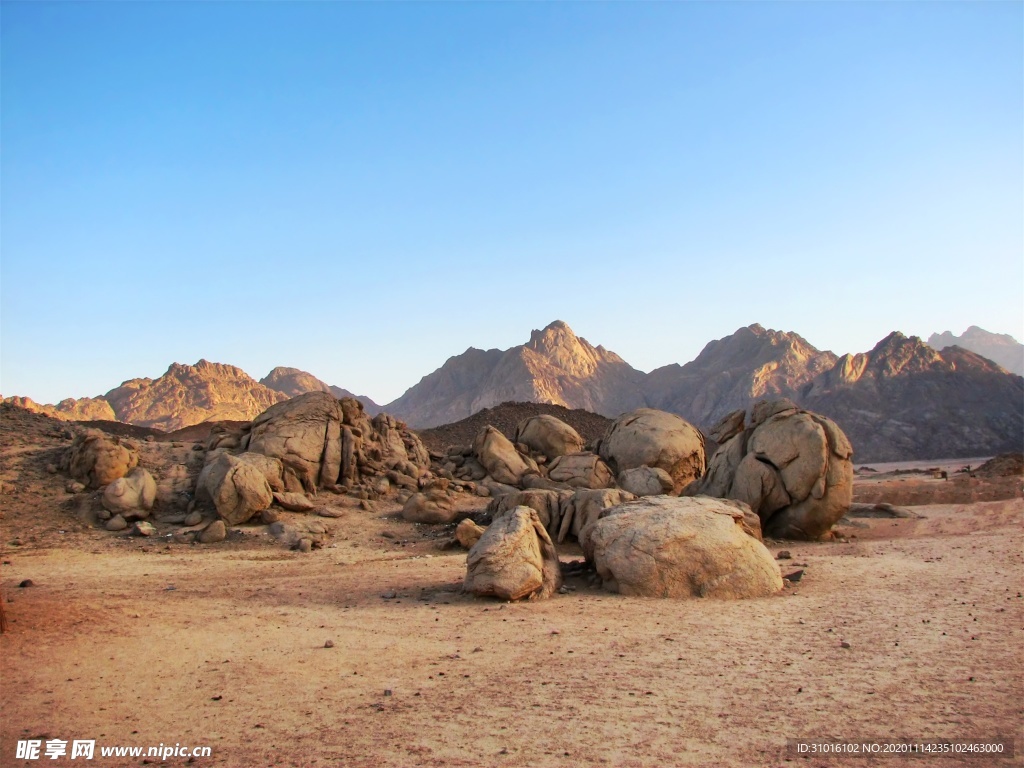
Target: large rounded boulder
{"type": "Point", "coordinates": [237, 489]}
{"type": "Point", "coordinates": [97, 459]}
{"type": "Point", "coordinates": [648, 437]}
{"type": "Point", "coordinates": [794, 468]}
{"type": "Point", "coordinates": [544, 434]}
{"type": "Point", "coordinates": [499, 457]}
{"type": "Point", "coordinates": [680, 547]}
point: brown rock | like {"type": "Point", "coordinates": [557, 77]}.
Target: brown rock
{"type": "Point", "coordinates": [134, 493]}
{"type": "Point", "coordinates": [468, 533]}
{"type": "Point", "coordinates": [549, 436]}
{"type": "Point", "coordinates": [513, 559]}
{"type": "Point", "coordinates": [581, 470]}
{"type": "Point", "coordinates": [655, 439]}
{"type": "Point", "coordinates": [97, 459]}
{"type": "Point", "coordinates": [213, 533]}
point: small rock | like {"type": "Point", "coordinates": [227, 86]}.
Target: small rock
{"type": "Point", "coordinates": [116, 523]}
{"type": "Point", "coordinates": [784, 555]}
{"type": "Point", "coordinates": [213, 533]}
{"type": "Point", "coordinates": [270, 516]}
{"type": "Point", "coordinates": [387, 534]}
{"type": "Point", "coordinates": [73, 486]}
{"type": "Point", "coordinates": [103, 514]}
{"type": "Point", "coordinates": [387, 691]}
{"type": "Point", "coordinates": [329, 512]}
{"type": "Point", "coordinates": [51, 468]}
{"type": "Point", "coordinates": [192, 518]}
{"type": "Point", "coordinates": [795, 576]}
{"type": "Point", "coordinates": [143, 528]}
{"type": "Point", "coordinates": [27, 583]}
{"type": "Point", "coordinates": [305, 545]}
{"type": "Point", "coordinates": [391, 595]}
{"type": "Point", "coordinates": [843, 644]}
{"type": "Point", "coordinates": [329, 644]}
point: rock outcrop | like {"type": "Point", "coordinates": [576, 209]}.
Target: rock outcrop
{"type": "Point", "coordinates": [679, 548]}
{"type": "Point", "coordinates": [792, 467]}
{"type": "Point", "coordinates": [513, 559]}
{"type": "Point", "coordinates": [648, 437]}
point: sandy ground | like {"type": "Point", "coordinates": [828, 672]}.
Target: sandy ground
{"type": "Point", "coordinates": [138, 642]}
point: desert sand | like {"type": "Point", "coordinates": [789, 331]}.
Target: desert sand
{"type": "Point", "coordinates": [138, 642]}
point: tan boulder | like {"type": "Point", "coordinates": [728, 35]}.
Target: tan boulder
{"type": "Point", "coordinates": [648, 437]}
{"type": "Point", "coordinates": [294, 502]}
{"type": "Point", "coordinates": [664, 546]}
{"type": "Point", "coordinates": [237, 489]}
{"type": "Point", "coordinates": [97, 459]}
{"type": "Point", "coordinates": [132, 495]}
{"type": "Point", "coordinates": [586, 506]}
{"type": "Point", "coordinates": [549, 436]}
{"type": "Point", "coordinates": [499, 457]}
{"type": "Point", "coordinates": [213, 533]}
{"type": "Point", "coordinates": [513, 559]}
{"type": "Point", "coordinates": [434, 505]}
{"type": "Point", "coordinates": [468, 533]}
{"type": "Point", "coordinates": [645, 481]}
{"type": "Point", "coordinates": [792, 467]}
{"type": "Point", "coordinates": [581, 470]}
{"type": "Point", "coordinates": [547, 504]}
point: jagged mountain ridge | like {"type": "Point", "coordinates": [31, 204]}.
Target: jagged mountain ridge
{"type": "Point", "coordinates": [555, 366]}
{"type": "Point", "coordinates": [190, 394]}
{"type": "Point", "coordinates": [1000, 348]}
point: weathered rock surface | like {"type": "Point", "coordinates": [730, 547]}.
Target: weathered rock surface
{"type": "Point", "coordinates": [324, 442]}
{"type": "Point", "coordinates": [133, 494]}
{"type": "Point", "coordinates": [645, 481]}
{"type": "Point", "coordinates": [294, 502]}
{"type": "Point", "coordinates": [549, 436]}
{"type": "Point", "coordinates": [648, 437]}
{"type": "Point", "coordinates": [97, 459]}
{"type": "Point", "coordinates": [499, 457]}
{"type": "Point", "coordinates": [674, 547]}
{"type": "Point", "coordinates": [547, 504]}
{"type": "Point", "coordinates": [581, 470]}
{"type": "Point", "coordinates": [513, 559]}
{"type": "Point", "coordinates": [792, 467]}
{"type": "Point", "coordinates": [237, 489]}
{"type": "Point", "coordinates": [586, 506]}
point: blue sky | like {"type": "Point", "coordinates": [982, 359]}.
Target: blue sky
{"type": "Point", "coordinates": [363, 190]}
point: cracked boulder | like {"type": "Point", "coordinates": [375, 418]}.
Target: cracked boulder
{"type": "Point", "coordinates": [679, 547]}
{"type": "Point", "coordinates": [514, 558]}
{"type": "Point", "coordinates": [546, 435]}
{"type": "Point", "coordinates": [97, 459]}
{"type": "Point", "coordinates": [652, 438]}
{"type": "Point", "coordinates": [794, 468]}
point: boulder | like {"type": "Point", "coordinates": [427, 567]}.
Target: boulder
{"type": "Point", "coordinates": [581, 470]}
{"type": "Point", "coordinates": [142, 528]}
{"type": "Point", "coordinates": [664, 546]}
{"type": "Point", "coordinates": [273, 470]}
{"type": "Point", "coordinates": [294, 502]}
{"type": "Point", "coordinates": [585, 506]}
{"type": "Point", "coordinates": [323, 442]}
{"type": "Point", "coordinates": [116, 523]}
{"type": "Point", "coordinates": [132, 494]}
{"type": "Point", "coordinates": [549, 436]}
{"type": "Point", "coordinates": [794, 468]}
{"type": "Point", "coordinates": [468, 533]}
{"type": "Point", "coordinates": [97, 459]}
{"type": "Point", "coordinates": [513, 559]}
{"type": "Point", "coordinates": [237, 489]}
{"type": "Point", "coordinates": [213, 533]}
{"type": "Point", "coordinates": [648, 437]}
{"type": "Point", "coordinates": [434, 505]}
{"type": "Point", "coordinates": [499, 457]}
{"type": "Point", "coordinates": [547, 504]}
{"type": "Point", "coordinates": [645, 481]}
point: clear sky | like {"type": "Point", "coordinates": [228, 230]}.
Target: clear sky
{"type": "Point", "coordinates": [363, 190]}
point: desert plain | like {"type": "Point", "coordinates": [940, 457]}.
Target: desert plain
{"type": "Point", "coordinates": [365, 652]}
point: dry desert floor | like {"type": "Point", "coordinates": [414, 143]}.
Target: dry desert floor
{"type": "Point", "coordinates": [138, 642]}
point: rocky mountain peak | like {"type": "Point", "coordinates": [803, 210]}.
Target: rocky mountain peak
{"type": "Point", "coordinates": [1001, 348]}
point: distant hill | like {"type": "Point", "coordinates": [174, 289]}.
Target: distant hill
{"type": "Point", "coordinates": [293, 382]}
{"type": "Point", "coordinates": [554, 366]}
{"type": "Point", "coordinates": [998, 347]}
{"type": "Point", "coordinates": [902, 400]}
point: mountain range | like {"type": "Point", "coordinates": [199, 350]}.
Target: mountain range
{"type": "Point", "coordinates": [904, 399]}
{"type": "Point", "coordinates": [998, 347]}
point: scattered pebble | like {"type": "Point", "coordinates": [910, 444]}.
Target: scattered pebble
{"type": "Point", "coordinates": [329, 644]}
{"type": "Point", "coordinates": [27, 583]}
